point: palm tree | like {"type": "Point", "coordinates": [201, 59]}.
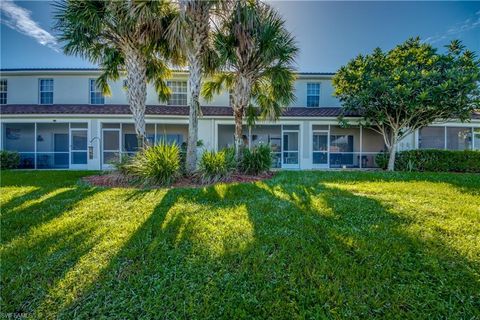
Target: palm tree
{"type": "Point", "coordinates": [255, 53]}
{"type": "Point", "coordinates": [190, 32]}
{"type": "Point", "coordinates": [121, 34]}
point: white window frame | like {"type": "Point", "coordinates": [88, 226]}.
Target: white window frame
{"type": "Point", "coordinates": [3, 90]}
{"type": "Point", "coordinates": [94, 91]}
{"type": "Point", "coordinates": [175, 86]}
{"type": "Point", "coordinates": [310, 94]}
{"type": "Point", "coordinates": [40, 91]}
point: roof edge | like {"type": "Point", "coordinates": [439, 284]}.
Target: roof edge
{"type": "Point", "coordinates": [99, 69]}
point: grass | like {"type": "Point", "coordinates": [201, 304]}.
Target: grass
{"type": "Point", "coordinates": [302, 245]}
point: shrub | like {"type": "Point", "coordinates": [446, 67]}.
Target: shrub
{"type": "Point", "coordinates": [438, 160]}
{"type": "Point", "coordinates": [158, 165]}
{"type": "Point", "coordinates": [123, 164]}
{"type": "Point", "coordinates": [9, 159]}
{"type": "Point", "coordinates": [381, 159]}
{"type": "Point", "coordinates": [256, 160]}
{"type": "Point", "coordinates": [216, 166]}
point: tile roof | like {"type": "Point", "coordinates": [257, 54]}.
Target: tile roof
{"type": "Point", "coordinates": [116, 109]}
{"type": "Point", "coordinates": [111, 109]}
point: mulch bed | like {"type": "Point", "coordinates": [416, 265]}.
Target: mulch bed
{"type": "Point", "coordinates": [117, 180]}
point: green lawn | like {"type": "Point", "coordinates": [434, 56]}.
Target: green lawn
{"type": "Point", "coordinates": [302, 245]}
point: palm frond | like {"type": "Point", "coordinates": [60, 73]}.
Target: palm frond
{"type": "Point", "coordinates": [219, 82]}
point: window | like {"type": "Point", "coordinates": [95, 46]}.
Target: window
{"type": "Point", "coordinates": [341, 143]}
{"type": "Point", "coordinates": [46, 91]}
{"type": "Point", "coordinates": [179, 93]}
{"type": "Point", "coordinates": [459, 138]}
{"type": "Point", "coordinates": [431, 138]}
{"type": "Point", "coordinates": [313, 94]}
{"type": "Point", "coordinates": [476, 139]}
{"type": "Point", "coordinates": [3, 91]}
{"type": "Point", "coordinates": [96, 95]}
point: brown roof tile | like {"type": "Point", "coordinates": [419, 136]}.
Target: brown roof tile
{"type": "Point", "coordinates": [110, 109]}
{"type": "Point", "coordinates": [114, 109]}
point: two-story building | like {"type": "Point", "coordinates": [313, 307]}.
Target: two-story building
{"type": "Point", "coordinates": [57, 118]}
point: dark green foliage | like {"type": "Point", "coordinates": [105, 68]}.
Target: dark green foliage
{"type": "Point", "coordinates": [158, 165]}
{"type": "Point", "coordinates": [409, 87]}
{"type": "Point", "coordinates": [216, 166]}
{"type": "Point", "coordinates": [438, 160]}
{"type": "Point", "coordinates": [9, 160]}
{"type": "Point", "coordinates": [256, 160]}
{"type": "Point", "coordinates": [381, 160]}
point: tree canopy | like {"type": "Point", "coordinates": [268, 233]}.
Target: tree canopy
{"type": "Point", "coordinates": [409, 87]}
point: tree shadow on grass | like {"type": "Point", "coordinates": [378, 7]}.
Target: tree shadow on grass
{"type": "Point", "coordinates": [280, 250]}
{"type": "Point", "coordinates": [40, 243]}
{"type": "Point", "coordinates": [39, 207]}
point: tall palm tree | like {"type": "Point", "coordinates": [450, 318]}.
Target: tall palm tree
{"type": "Point", "coordinates": [117, 35]}
{"type": "Point", "coordinates": [190, 32]}
{"type": "Point", "coordinates": [256, 54]}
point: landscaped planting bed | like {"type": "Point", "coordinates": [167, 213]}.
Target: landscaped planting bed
{"type": "Point", "coordinates": [299, 245]}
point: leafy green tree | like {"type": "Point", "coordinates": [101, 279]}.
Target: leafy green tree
{"type": "Point", "coordinates": [121, 35]}
{"type": "Point", "coordinates": [255, 54]}
{"type": "Point", "coordinates": [190, 31]}
{"type": "Point", "coordinates": [409, 87]}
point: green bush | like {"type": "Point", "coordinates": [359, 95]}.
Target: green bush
{"type": "Point", "coordinates": [123, 164]}
{"type": "Point", "coordinates": [256, 160]}
{"type": "Point", "coordinates": [381, 159]}
{"type": "Point", "coordinates": [9, 159]}
{"type": "Point", "coordinates": [438, 160]}
{"type": "Point", "coordinates": [216, 166]}
{"type": "Point", "coordinates": [157, 165]}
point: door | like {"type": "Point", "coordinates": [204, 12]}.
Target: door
{"type": "Point", "coordinates": [110, 147]}
{"type": "Point", "coordinates": [60, 148]}
{"type": "Point", "coordinates": [290, 152]}
{"type": "Point", "coordinates": [320, 149]}
{"type": "Point", "coordinates": [78, 148]}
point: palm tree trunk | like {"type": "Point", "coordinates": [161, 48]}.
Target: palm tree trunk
{"type": "Point", "coordinates": [241, 98]}
{"type": "Point", "coordinates": [238, 113]}
{"type": "Point", "coordinates": [135, 65]}
{"type": "Point", "coordinates": [194, 82]}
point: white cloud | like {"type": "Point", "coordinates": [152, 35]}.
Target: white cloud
{"type": "Point", "coordinates": [19, 19]}
{"type": "Point", "coordinates": [457, 29]}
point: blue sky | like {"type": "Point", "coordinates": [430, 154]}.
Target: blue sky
{"type": "Point", "coordinates": [328, 33]}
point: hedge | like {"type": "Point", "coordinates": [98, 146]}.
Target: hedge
{"type": "Point", "coordinates": [9, 159]}
{"type": "Point", "coordinates": [438, 160]}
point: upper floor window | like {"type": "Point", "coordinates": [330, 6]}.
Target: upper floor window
{"type": "Point", "coordinates": [179, 93]}
{"type": "Point", "coordinates": [46, 91]}
{"type": "Point", "coordinates": [96, 95]}
{"type": "Point", "coordinates": [3, 91]}
{"type": "Point", "coordinates": [313, 94]}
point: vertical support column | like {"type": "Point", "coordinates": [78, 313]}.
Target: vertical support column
{"type": "Point", "coordinates": [361, 147]}
{"type": "Point", "coordinates": [473, 138]}
{"type": "Point", "coordinates": [70, 145]}
{"type": "Point", "coordinates": [328, 147]}
{"type": "Point", "coordinates": [35, 144]}
{"type": "Point", "coordinates": [445, 137]}
{"type": "Point", "coordinates": [249, 137]}
{"type": "Point", "coordinates": [1, 135]}
{"type": "Point", "coordinates": [155, 133]}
